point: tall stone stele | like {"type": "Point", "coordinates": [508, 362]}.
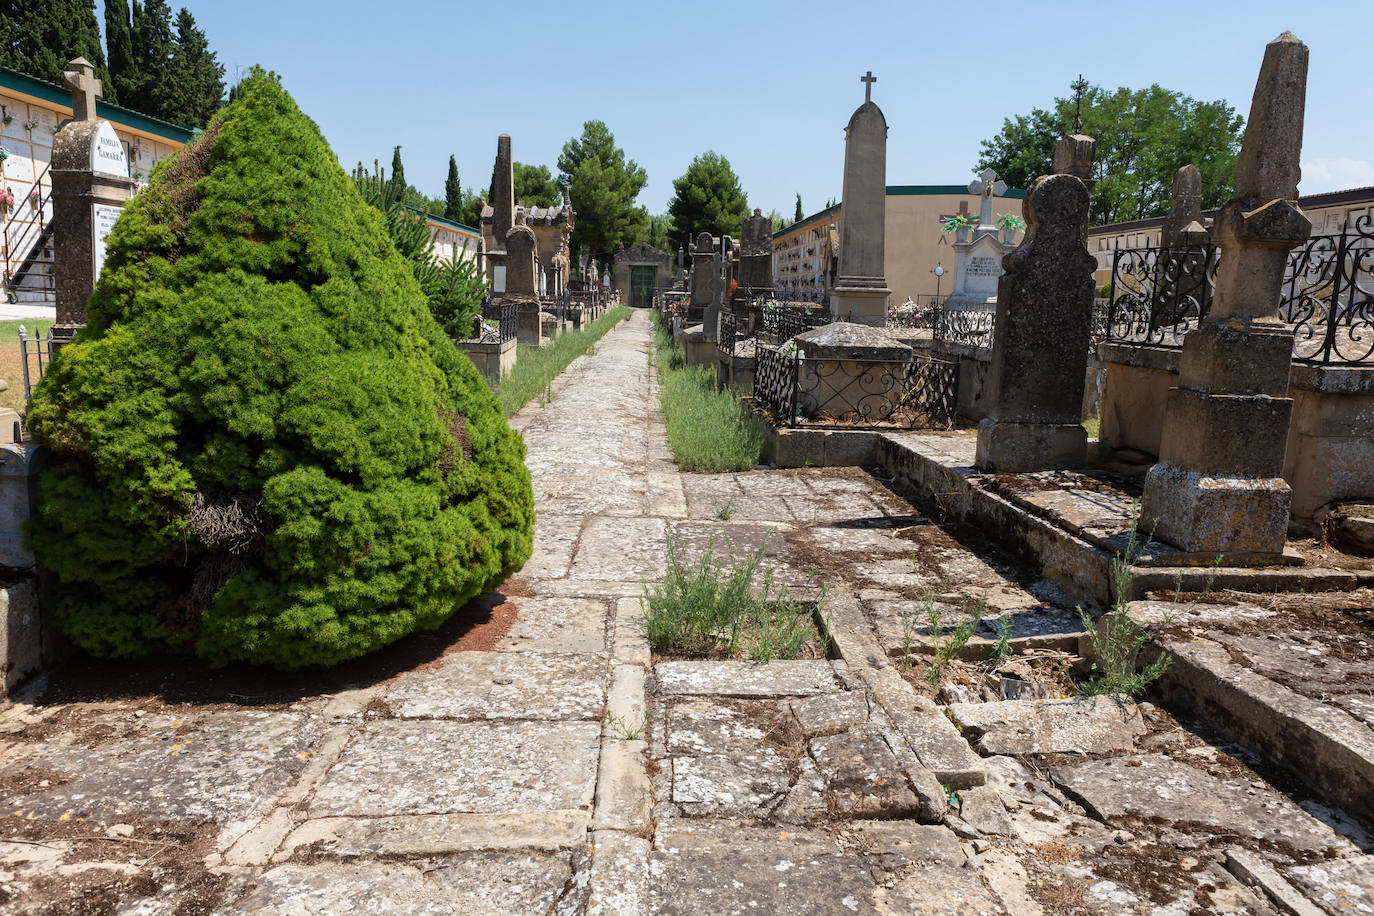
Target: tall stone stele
{"type": "Point", "coordinates": [756, 254]}
{"type": "Point", "coordinates": [502, 211]}
{"type": "Point", "coordinates": [703, 270]}
{"type": "Point", "coordinates": [1041, 337]}
{"type": "Point", "coordinates": [1218, 489]}
{"type": "Point", "coordinates": [90, 185]}
{"type": "Point", "coordinates": [860, 293]}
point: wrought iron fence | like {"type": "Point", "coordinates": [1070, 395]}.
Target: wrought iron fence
{"type": "Point", "coordinates": [971, 327]}
{"type": "Point", "coordinates": [1159, 295]}
{"type": "Point", "coordinates": [504, 315]}
{"type": "Point", "coordinates": [782, 323]}
{"type": "Point", "coordinates": [726, 333]}
{"type": "Point", "coordinates": [35, 353]}
{"type": "Point", "coordinates": [922, 392]}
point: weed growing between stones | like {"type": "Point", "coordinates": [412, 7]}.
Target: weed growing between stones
{"type": "Point", "coordinates": [706, 429]}
{"type": "Point", "coordinates": [1117, 640]}
{"type": "Point", "coordinates": [537, 367]}
{"type": "Point", "coordinates": [711, 609]}
{"type": "Point", "coordinates": [617, 727]}
{"type": "Point", "coordinates": [947, 645]}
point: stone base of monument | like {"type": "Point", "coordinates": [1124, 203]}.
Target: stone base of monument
{"type": "Point", "coordinates": [860, 304]}
{"type": "Point", "coordinates": [493, 359]}
{"type": "Point", "coordinates": [850, 373]}
{"type": "Point", "coordinates": [1011, 446]}
{"type": "Point", "coordinates": [529, 327]}
{"type": "Point", "coordinates": [1221, 517]}
{"type": "Point", "coordinates": [700, 350]}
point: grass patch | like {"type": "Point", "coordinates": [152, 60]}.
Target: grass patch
{"type": "Point", "coordinates": [706, 430]}
{"type": "Point", "coordinates": [711, 609]}
{"type": "Point", "coordinates": [10, 367]}
{"type": "Point", "coordinates": [537, 367]}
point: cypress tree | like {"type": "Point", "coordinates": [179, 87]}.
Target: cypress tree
{"type": "Point", "coordinates": [398, 171]}
{"type": "Point", "coordinates": [195, 85]}
{"type": "Point", "coordinates": [799, 209]}
{"type": "Point", "coordinates": [453, 192]}
{"type": "Point", "coordinates": [153, 45]}
{"type": "Point", "coordinates": [120, 44]}
{"type": "Point", "coordinates": [39, 37]}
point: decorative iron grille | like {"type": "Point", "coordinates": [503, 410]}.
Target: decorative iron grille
{"type": "Point", "coordinates": [971, 327]}
{"type": "Point", "coordinates": [781, 324]}
{"type": "Point", "coordinates": [505, 315]}
{"type": "Point", "coordinates": [1159, 295]}
{"type": "Point", "coordinates": [920, 393]}
{"type": "Point", "coordinates": [725, 333]}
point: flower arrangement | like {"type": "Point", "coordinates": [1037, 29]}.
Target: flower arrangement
{"type": "Point", "coordinates": [30, 124]}
{"type": "Point", "coordinates": [34, 198]}
{"type": "Point", "coordinates": [1010, 221]}
{"type": "Point", "coordinates": [5, 117]}
{"type": "Point", "coordinates": [909, 314]}
{"type": "Point", "coordinates": [957, 221]}
{"type": "Point", "coordinates": [6, 200]}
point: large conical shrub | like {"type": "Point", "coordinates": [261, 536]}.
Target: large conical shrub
{"type": "Point", "coordinates": [267, 450]}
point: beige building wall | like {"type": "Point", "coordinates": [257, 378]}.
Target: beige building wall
{"type": "Point", "coordinates": [803, 254]}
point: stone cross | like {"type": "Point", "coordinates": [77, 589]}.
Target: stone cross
{"type": "Point", "coordinates": [80, 79]}
{"type": "Point", "coordinates": [989, 186]}
{"type": "Point", "coordinates": [868, 81]}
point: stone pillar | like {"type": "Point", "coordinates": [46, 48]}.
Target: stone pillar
{"type": "Point", "coordinates": [1217, 489]}
{"type": "Point", "coordinates": [720, 272]}
{"type": "Point", "coordinates": [703, 269]}
{"type": "Point", "coordinates": [1040, 341]}
{"type": "Point", "coordinates": [1074, 155]}
{"type": "Point", "coordinates": [502, 213]}
{"type": "Point", "coordinates": [860, 293]}
{"type": "Point", "coordinates": [90, 185]}
{"type": "Point", "coordinates": [1183, 226]}
{"type": "Point", "coordinates": [756, 253]}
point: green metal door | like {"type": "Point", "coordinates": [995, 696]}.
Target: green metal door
{"type": "Point", "coordinates": [641, 287]}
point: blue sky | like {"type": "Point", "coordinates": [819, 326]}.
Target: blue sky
{"type": "Point", "coordinates": [769, 86]}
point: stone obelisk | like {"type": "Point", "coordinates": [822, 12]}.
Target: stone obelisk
{"type": "Point", "coordinates": [860, 293]}
{"type": "Point", "coordinates": [1218, 489]}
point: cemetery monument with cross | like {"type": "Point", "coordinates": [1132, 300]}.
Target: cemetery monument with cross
{"type": "Point", "coordinates": [860, 293]}
{"type": "Point", "coordinates": [978, 256]}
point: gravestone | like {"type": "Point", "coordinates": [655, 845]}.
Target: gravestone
{"type": "Point", "coordinates": [1074, 155]}
{"type": "Point", "coordinates": [719, 281]}
{"type": "Point", "coordinates": [978, 260]}
{"type": "Point", "coordinates": [1040, 340]}
{"type": "Point", "coordinates": [520, 271]}
{"type": "Point", "coordinates": [860, 293]}
{"type": "Point", "coordinates": [756, 254]}
{"type": "Point", "coordinates": [502, 214]}
{"type": "Point", "coordinates": [1183, 226]}
{"type": "Point", "coordinates": [703, 260]}
{"type": "Point", "coordinates": [90, 185]}
{"type": "Point", "coordinates": [1218, 488]}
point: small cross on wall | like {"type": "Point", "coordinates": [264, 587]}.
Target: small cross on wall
{"type": "Point", "coordinates": [868, 80]}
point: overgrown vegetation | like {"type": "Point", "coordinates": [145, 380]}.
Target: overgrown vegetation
{"type": "Point", "coordinates": [706, 430]}
{"type": "Point", "coordinates": [1117, 640]}
{"type": "Point", "coordinates": [712, 608]}
{"type": "Point", "coordinates": [266, 448]}
{"type": "Point", "coordinates": [537, 367]}
{"type": "Point", "coordinates": [946, 645]}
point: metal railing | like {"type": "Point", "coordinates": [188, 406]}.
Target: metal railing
{"type": "Point", "coordinates": [504, 317]}
{"type": "Point", "coordinates": [1158, 295]}
{"type": "Point", "coordinates": [27, 242]}
{"type": "Point", "coordinates": [919, 393]}
{"type": "Point", "coordinates": [35, 354]}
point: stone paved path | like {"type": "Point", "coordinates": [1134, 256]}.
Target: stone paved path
{"type": "Point", "coordinates": [565, 771]}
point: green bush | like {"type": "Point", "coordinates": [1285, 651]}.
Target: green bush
{"type": "Point", "coordinates": [266, 448]}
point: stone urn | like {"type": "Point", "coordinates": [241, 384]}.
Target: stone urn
{"type": "Point", "coordinates": [1008, 235]}
{"type": "Point", "coordinates": [961, 234]}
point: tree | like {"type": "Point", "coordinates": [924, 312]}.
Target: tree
{"type": "Point", "coordinates": [453, 192]}
{"type": "Point", "coordinates": [534, 186]}
{"type": "Point", "coordinates": [153, 44]}
{"type": "Point", "coordinates": [119, 43]}
{"type": "Point", "coordinates": [40, 37]}
{"type": "Point", "coordinates": [799, 217]}
{"type": "Point", "coordinates": [603, 188]}
{"type": "Point", "coordinates": [658, 231]}
{"type": "Point", "coordinates": [195, 87]}
{"type": "Point", "coordinates": [707, 198]}
{"type": "Point", "coordinates": [265, 448]}
{"type": "Point", "coordinates": [778, 221]}
{"type": "Point", "coordinates": [1143, 137]}
{"type": "Point", "coordinates": [398, 170]}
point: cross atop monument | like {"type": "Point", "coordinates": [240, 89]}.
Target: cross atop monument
{"type": "Point", "coordinates": [988, 185]}
{"type": "Point", "coordinates": [79, 77]}
{"type": "Point", "coordinates": [868, 80]}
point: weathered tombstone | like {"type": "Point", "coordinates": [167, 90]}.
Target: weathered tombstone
{"type": "Point", "coordinates": [1218, 487]}
{"type": "Point", "coordinates": [756, 254]}
{"type": "Point", "coordinates": [1074, 155]}
{"type": "Point", "coordinates": [1183, 226]}
{"type": "Point", "coordinates": [720, 279]}
{"type": "Point", "coordinates": [860, 293]}
{"type": "Point", "coordinates": [1040, 340]}
{"type": "Point", "coordinates": [90, 185]}
{"type": "Point", "coordinates": [520, 273]}
{"type": "Point", "coordinates": [978, 260]}
{"type": "Point", "coordinates": [703, 258]}
{"type": "Point", "coordinates": [502, 214]}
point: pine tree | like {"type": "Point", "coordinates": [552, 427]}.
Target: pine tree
{"type": "Point", "coordinates": [398, 171]}
{"type": "Point", "coordinates": [799, 210]}
{"type": "Point", "coordinates": [153, 44]}
{"type": "Point", "coordinates": [40, 37]}
{"type": "Point", "coordinates": [453, 192]}
{"type": "Point", "coordinates": [195, 84]}
{"type": "Point", "coordinates": [120, 44]}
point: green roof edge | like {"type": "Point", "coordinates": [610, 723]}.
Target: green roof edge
{"type": "Point", "coordinates": [444, 220]}
{"type": "Point", "coordinates": [31, 85]}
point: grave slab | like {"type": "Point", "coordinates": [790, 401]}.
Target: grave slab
{"type": "Point", "coordinates": [1155, 787]}
{"type": "Point", "coordinates": [565, 625]}
{"type": "Point", "coordinates": [1080, 725]}
{"type": "Point", "coordinates": [746, 679]}
{"type": "Point", "coordinates": [504, 685]}
{"type": "Point", "coordinates": [437, 767]}
{"type": "Point", "coordinates": [434, 834]}
{"type": "Point", "coordinates": [194, 767]}
{"type": "Point", "coordinates": [863, 778]}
